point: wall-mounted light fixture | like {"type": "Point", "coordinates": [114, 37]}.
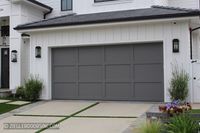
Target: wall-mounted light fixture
{"type": "Point", "coordinates": [175, 45]}
{"type": "Point", "coordinates": [14, 55]}
{"type": "Point", "coordinates": [38, 52]}
{"type": "Point", "coordinates": [25, 36]}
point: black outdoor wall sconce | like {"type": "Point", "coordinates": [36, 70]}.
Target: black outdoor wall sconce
{"type": "Point", "coordinates": [14, 55]}
{"type": "Point", "coordinates": [38, 52]}
{"type": "Point", "coordinates": [175, 46]}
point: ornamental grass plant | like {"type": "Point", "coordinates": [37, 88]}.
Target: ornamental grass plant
{"type": "Point", "coordinates": [179, 84]}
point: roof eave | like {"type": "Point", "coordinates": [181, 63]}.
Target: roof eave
{"type": "Point", "coordinates": [112, 21]}
{"type": "Point", "coordinates": [107, 24]}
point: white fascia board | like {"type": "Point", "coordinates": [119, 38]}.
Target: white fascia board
{"type": "Point", "coordinates": [106, 24]}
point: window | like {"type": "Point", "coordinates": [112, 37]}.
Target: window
{"type": "Point", "coordinates": [66, 5]}
{"type": "Point", "coordinates": [103, 0]}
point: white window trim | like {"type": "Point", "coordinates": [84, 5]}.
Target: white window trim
{"type": "Point", "coordinates": [112, 2]}
{"type": "Point", "coordinates": [66, 12]}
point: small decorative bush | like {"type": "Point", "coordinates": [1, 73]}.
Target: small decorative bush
{"type": "Point", "coordinates": [179, 85]}
{"type": "Point", "coordinates": [182, 124]}
{"type": "Point", "coordinates": [175, 107]}
{"type": "Point", "coordinates": [33, 87]}
{"type": "Point", "coordinates": [20, 93]}
{"type": "Point", "coordinates": [31, 90]}
{"type": "Point", "coordinates": [152, 127]}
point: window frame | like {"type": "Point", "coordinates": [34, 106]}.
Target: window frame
{"type": "Point", "coordinates": [95, 1]}
{"type": "Point", "coordinates": [66, 9]}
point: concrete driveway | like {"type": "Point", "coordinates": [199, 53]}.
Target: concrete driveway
{"type": "Point", "coordinates": [75, 117]}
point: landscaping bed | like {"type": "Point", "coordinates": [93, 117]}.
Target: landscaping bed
{"type": "Point", "coordinates": [177, 116]}
{"type": "Point", "coordinates": [164, 117]}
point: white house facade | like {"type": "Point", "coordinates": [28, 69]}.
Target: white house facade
{"type": "Point", "coordinates": [100, 49]}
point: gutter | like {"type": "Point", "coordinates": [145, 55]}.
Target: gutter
{"type": "Point", "coordinates": [191, 42]}
{"type": "Point", "coordinates": [49, 12]}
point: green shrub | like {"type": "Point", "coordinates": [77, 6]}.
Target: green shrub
{"type": "Point", "coordinates": [182, 124]}
{"type": "Point", "coordinates": [33, 87]}
{"type": "Point", "coordinates": [20, 93]}
{"type": "Point", "coordinates": [179, 85]}
{"type": "Point", "coordinates": [152, 127]}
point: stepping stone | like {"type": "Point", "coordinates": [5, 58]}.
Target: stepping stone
{"type": "Point", "coordinates": [195, 106]}
{"type": "Point", "coordinates": [4, 101]}
{"type": "Point", "coordinates": [19, 103]}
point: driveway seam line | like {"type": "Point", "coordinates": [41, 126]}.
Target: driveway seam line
{"type": "Point", "coordinates": [122, 117]}
{"type": "Point", "coordinates": [41, 115]}
{"type": "Point", "coordinates": [67, 117]}
{"type": "Point", "coordinates": [77, 116]}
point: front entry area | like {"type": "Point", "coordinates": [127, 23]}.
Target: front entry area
{"type": "Point", "coordinates": [116, 72]}
{"type": "Point", "coordinates": [5, 68]}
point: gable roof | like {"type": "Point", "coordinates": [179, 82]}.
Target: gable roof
{"type": "Point", "coordinates": [155, 12]}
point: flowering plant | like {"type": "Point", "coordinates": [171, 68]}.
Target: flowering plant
{"type": "Point", "coordinates": [175, 107]}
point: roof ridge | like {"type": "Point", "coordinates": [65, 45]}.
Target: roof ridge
{"type": "Point", "coordinates": [176, 8]}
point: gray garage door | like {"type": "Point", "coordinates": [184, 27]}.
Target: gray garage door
{"type": "Point", "coordinates": [116, 72]}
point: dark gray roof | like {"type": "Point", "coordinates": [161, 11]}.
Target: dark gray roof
{"type": "Point", "coordinates": [155, 12]}
{"type": "Point", "coordinates": [40, 4]}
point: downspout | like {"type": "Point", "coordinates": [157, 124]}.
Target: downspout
{"type": "Point", "coordinates": [191, 39]}
{"type": "Point", "coordinates": [50, 11]}
{"type": "Point", "coordinates": [191, 42]}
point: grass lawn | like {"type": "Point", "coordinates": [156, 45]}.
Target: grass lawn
{"type": "Point", "coordinates": [195, 111]}
{"type": "Point", "coordinates": [7, 107]}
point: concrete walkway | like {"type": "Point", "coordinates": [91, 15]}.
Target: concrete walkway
{"type": "Point", "coordinates": [77, 117]}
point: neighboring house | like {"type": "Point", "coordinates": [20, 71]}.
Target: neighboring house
{"type": "Point", "coordinates": [100, 49]}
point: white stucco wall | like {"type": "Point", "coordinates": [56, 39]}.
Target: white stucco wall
{"type": "Point", "coordinates": [88, 6]}
{"type": "Point", "coordinates": [125, 33]}
{"type": "Point", "coordinates": [193, 4]}
{"type": "Point", "coordinates": [5, 7]}
{"type": "Point", "coordinates": [20, 14]}
{"type": "Point", "coordinates": [161, 2]}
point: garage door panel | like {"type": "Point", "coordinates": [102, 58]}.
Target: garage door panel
{"type": "Point", "coordinates": [148, 53]}
{"type": "Point", "coordinates": [65, 91]}
{"type": "Point", "coordinates": [64, 74]}
{"type": "Point", "coordinates": [90, 73]}
{"type": "Point", "coordinates": [69, 54]}
{"type": "Point", "coordinates": [91, 56]}
{"type": "Point", "coordinates": [118, 73]}
{"type": "Point", "coordinates": [149, 91]}
{"type": "Point", "coordinates": [118, 54]}
{"type": "Point", "coordinates": [115, 72]}
{"type": "Point", "coordinates": [91, 91]}
{"type": "Point", "coordinates": [148, 73]}
{"type": "Point", "coordinates": [118, 91]}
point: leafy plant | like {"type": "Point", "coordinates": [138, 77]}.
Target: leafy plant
{"type": "Point", "coordinates": [20, 93]}
{"type": "Point", "coordinates": [33, 87]}
{"type": "Point", "coordinates": [179, 85]}
{"type": "Point", "coordinates": [182, 124]}
{"type": "Point", "coordinates": [152, 127]}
